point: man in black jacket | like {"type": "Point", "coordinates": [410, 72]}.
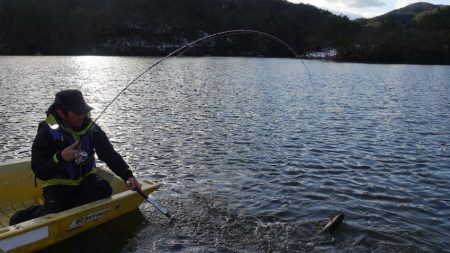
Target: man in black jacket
{"type": "Point", "coordinates": [62, 157]}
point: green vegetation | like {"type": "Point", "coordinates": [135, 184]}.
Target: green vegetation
{"type": "Point", "coordinates": [157, 27]}
{"type": "Point", "coordinates": [418, 33]}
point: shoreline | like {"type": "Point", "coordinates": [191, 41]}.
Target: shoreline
{"type": "Point", "coordinates": [330, 59]}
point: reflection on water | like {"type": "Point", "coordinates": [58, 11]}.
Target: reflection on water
{"type": "Point", "coordinates": [254, 154]}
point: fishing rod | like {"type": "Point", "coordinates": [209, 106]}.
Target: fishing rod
{"type": "Point", "coordinates": [179, 52]}
{"type": "Point", "coordinates": [197, 43]}
{"type": "Point", "coordinates": [152, 201]}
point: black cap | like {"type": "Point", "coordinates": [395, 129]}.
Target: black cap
{"type": "Point", "coordinates": [72, 100]}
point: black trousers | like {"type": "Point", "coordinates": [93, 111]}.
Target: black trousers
{"type": "Point", "coordinates": [61, 197]}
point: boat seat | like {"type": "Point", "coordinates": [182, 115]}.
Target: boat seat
{"type": "Point", "coordinates": [8, 208]}
{"type": "Point", "coordinates": [18, 190]}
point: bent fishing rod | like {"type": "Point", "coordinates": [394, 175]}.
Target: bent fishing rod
{"type": "Point", "coordinates": [195, 44]}
{"type": "Point", "coordinates": [179, 52]}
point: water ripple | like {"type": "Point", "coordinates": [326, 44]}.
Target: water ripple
{"type": "Point", "coordinates": [253, 154]}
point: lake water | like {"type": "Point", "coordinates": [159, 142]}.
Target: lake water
{"type": "Point", "coordinates": [254, 154]}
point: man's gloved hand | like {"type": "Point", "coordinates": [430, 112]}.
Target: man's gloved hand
{"type": "Point", "coordinates": [133, 184]}
{"type": "Point", "coordinates": [68, 154]}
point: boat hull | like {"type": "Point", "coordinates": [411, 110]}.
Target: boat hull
{"type": "Point", "coordinates": [17, 191]}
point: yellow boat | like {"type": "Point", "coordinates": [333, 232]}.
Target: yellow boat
{"type": "Point", "coordinates": [18, 191]}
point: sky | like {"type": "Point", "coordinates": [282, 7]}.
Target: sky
{"type": "Point", "coordinates": [364, 8]}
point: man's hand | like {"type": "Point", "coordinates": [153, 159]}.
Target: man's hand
{"type": "Point", "coordinates": [68, 154]}
{"type": "Point", "coordinates": [133, 184]}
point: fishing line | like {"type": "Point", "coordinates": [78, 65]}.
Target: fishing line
{"type": "Point", "coordinates": [197, 43]}
{"type": "Point", "coordinates": [180, 51]}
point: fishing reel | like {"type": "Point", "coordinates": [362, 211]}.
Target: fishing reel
{"type": "Point", "coordinates": [81, 157]}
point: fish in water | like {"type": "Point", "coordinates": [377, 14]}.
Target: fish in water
{"type": "Point", "coordinates": [333, 223]}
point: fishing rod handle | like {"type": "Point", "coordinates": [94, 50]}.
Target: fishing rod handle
{"type": "Point", "coordinates": [154, 203]}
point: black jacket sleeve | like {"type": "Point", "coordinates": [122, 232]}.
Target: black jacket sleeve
{"type": "Point", "coordinates": [105, 152]}
{"type": "Point", "coordinates": [43, 163]}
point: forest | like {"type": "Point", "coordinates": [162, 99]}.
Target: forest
{"type": "Point", "coordinates": [157, 27]}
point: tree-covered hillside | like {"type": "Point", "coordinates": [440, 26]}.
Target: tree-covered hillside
{"type": "Point", "coordinates": [417, 33]}
{"type": "Point", "coordinates": [154, 27]}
